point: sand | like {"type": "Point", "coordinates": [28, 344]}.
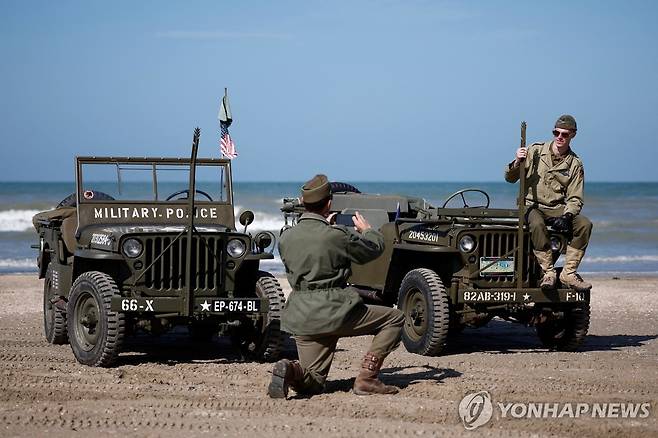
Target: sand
{"type": "Point", "coordinates": [172, 386]}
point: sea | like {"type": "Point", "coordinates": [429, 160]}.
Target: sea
{"type": "Point", "coordinates": [624, 239]}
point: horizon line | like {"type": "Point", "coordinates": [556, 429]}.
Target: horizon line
{"type": "Point", "coordinates": [72, 181]}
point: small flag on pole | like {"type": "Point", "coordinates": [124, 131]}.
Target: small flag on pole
{"type": "Point", "coordinates": [226, 144]}
{"type": "Point", "coordinates": [397, 212]}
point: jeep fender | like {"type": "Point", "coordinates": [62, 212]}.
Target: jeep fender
{"type": "Point", "coordinates": [407, 256]}
{"type": "Point", "coordinates": [92, 260]}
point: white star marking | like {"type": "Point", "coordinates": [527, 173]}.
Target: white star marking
{"type": "Point", "coordinates": [526, 297]}
{"type": "Point", "coordinates": [205, 306]}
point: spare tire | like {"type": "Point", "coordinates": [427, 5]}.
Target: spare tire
{"type": "Point", "coordinates": [343, 187]}
{"type": "Point", "coordinates": [71, 200]}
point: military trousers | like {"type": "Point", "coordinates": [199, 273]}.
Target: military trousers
{"type": "Point", "coordinates": [581, 228]}
{"type": "Point", "coordinates": [316, 352]}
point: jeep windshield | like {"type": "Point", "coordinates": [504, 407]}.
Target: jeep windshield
{"type": "Point", "coordinates": [153, 191]}
{"type": "Point", "coordinates": [149, 181]}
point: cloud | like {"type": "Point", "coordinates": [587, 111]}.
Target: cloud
{"type": "Point", "coordinates": [215, 35]}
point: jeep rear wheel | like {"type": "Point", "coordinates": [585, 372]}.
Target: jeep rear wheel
{"type": "Point", "coordinates": [424, 302]}
{"type": "Point", "coordinates": [263, 339]}
{"type": "Point", "coordinates": [95, 332]}
{"type": "Point", "coordinates": [54, 317]}
{"type": "Point", "coordinates": [568, 332]}
{"type": "Point", "coordinates": [337, 187]}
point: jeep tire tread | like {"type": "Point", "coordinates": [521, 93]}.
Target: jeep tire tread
{"type": "Point", "coordinates": [54, 318]}
{"type": "Point", "coordinates": [95, 332]}
{"type": "Point", "coordinates": [264, 341]}
{"type": "Point", "coordinates": [424, 302]}
{"type": "Point", "coordinates": [72, 199]}
{"type": "Point", "coordinates": [337, 186]}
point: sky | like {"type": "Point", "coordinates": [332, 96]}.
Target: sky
{"type": "Point", "coordinates": [359, 90]}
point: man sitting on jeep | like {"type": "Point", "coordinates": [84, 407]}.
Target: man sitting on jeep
{"type": "Point", "coordinates": [553, 196]}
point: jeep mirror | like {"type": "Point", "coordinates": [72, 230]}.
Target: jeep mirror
{"type": "Point", "coordinates": [246, 217]}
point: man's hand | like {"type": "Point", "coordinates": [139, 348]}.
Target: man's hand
{"type": "Point", "coordinates": [521, 154]}
{"type": "Point", "coordinates": [360, 223]}
{"type": "Point", "coordinates": [562, 224]}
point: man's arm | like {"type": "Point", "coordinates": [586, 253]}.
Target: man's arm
{"type": "Point", "coordinates": [513, 169]}
{"type": "Point", "coordinates": [512, 172]}
{"type": "Point", "coordinates": [363, 243]}
{"type": "Point", "coordinates": [364, 247]}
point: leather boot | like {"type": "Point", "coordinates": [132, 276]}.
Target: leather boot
{"type": "Point", "coordinates": [286, 373]}
{"type": "Point", "coordinates": [545, 259]}
{"type": "Point", "coordinates": [569, 277]}
{"type": "Point", "coordinates": [367, 382]}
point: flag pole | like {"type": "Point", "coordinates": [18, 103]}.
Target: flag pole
{"type": "Point", "coordinates": [221, 154]}
{"type": "Point", "coordinates": [226, 144]}
{"type": "Point", "coordinates": [221, 189]}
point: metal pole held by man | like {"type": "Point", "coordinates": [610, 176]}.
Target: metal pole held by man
{"type": "Point", "coordinates": [521, 204]}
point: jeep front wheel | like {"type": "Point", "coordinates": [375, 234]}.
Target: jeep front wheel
{"type": "Point", "coordinates": [424, 302]}
{"type": "Point", "coordinates": [263, 339]}
{"type": "Point", "coordinates": [54, 317]}
{"type": "Point", "coordinates": [568, 332]}
{"type": "Point", "coordinates": [95, 331]}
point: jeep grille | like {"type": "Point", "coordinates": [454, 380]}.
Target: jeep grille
{"type": "Point", "coordinates": [499, 243]}
{"type": "Point", "coordinates": [170, 271]}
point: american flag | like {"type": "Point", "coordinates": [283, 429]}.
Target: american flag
{"type": "Point", "coordinates": [226, 142]}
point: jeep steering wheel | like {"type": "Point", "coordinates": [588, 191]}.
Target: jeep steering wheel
{"type": "Point", "coordinates": [461, 193]}
{"type": "Point", "coordinates": [186, 192]}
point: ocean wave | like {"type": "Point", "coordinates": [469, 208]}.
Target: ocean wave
{"type": "Point", "coordinates": [624, 223]}
{"type": "Point", "coordinates": [16, 220]}
{"type": "Point", "coordinates": [600, 274]}
{"type": "Point", "coordinates": [18, 263]}
{"type": "Point", "coordinates": [262, 221]}
{"type": "Point", "coordinates": [622, 259]}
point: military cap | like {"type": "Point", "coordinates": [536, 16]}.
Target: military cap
{"type": "Point", "coordinates": [316, 189]}
{"type": "Point", "coordinates": [566, 121]}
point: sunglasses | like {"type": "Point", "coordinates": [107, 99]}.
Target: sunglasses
{"type": "Point", "coordinates": [557, 134]}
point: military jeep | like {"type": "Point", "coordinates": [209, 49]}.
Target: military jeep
{"type": "Point", "coordinates": [455, 266]}
{"type": "Point", "coordinates": [124, 254]}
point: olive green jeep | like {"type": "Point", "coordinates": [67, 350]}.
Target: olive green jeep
{"type": "Point", "coordinates": [123, 253]}
{"type": "Point", "coordinates": [451, 267]}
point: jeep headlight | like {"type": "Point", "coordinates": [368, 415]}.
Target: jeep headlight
{"type": "Point", "coordinates": [466, 244]}
{"type": "Point", "coordinates": [132, 248]}
{"type": "Point", "coordinates": [235, 248]}
{"type": "Point", "coordinates": [556, 245]}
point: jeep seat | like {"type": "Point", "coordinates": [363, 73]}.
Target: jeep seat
{"type": "Point", "coordinates": [69, 222]}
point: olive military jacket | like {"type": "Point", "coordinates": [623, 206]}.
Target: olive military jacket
{"type": "Point", "coordinates": [318, 259]}
{"type": "Point", "coordinates": [548, 185]}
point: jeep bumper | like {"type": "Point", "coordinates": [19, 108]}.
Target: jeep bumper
{"type": "Point", "coordinates": [202, 305]}
{"type": "Point", "coordinates": [521, 296]}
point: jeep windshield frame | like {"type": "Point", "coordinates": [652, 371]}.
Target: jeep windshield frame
{"type": "Point", "coordinates": [145, 201]}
